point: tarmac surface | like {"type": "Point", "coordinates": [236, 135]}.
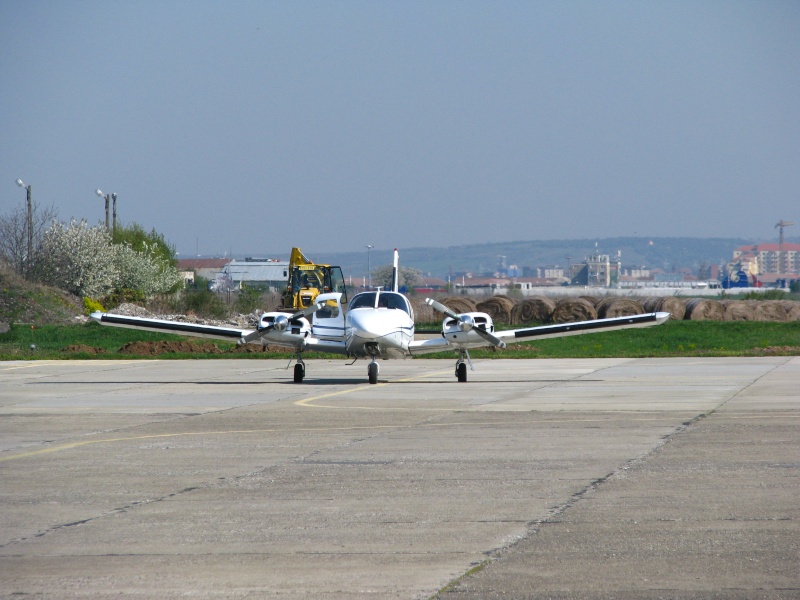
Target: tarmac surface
{"type": "Point", "coordinates": [590, 478]}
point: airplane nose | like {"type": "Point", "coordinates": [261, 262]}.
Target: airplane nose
{"type": "Point", "coordinates": [364, 325]}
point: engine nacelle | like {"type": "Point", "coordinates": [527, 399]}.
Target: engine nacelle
{"type": "Point", "coordinates": [461, 331]}
{"type": "Point", "coordinates": [284, 330]}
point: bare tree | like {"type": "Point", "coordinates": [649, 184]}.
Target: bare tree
{"type": "Point", "coordinates": [14, 235]}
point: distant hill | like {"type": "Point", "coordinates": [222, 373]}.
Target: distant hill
{"type": "Point", "coordinates": [666, 253]}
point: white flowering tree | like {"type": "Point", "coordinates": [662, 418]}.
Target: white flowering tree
{"type": "Point", "coordinates": [77, 258]}
{"type": "Point", "coordinates": [145, 271]}
{"type": "Point", "coordinates": [83, 260]}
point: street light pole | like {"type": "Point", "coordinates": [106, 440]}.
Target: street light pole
{"type": "Point", "coordinates": [107, 199]}
{"type": "Point", "coordinates": [114, 200]}
{"type": "Point", "coordinates": [369, 270]}
{"type": "Point", "coordinates": [29, 257]}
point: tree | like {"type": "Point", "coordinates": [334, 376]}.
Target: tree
{"type": "Point", "coordinates": [14, 235]}
{"type": "Point", "coordinates": [83, 260]}
{"type": "Point", "coordinates": [407, 277]}
{"type": "Point", "coordinates": [153, 243]}
{"type": "Point", "coordinates": [77, 258]}
{"type": "Point", "coordinates": [146, 270]}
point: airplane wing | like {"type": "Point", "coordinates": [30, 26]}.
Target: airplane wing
{"type": "Point", "coordinates": [582, 327]}
{"type": "Point", "coordinates": [287, 336]}
{"type": "Point", "coordinates": [471, 339]}
{"type": "Point", "coordinates": [229, 334]}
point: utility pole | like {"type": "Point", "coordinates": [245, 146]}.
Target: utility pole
{"type": "Point", "coordinates": [107, 198]}
{"type": "Point", "coordinates": [782, 267]}
{"type": "Point", "coordinates": [369, 270]}
{"type": "Point", "coordinates": [29, 257]}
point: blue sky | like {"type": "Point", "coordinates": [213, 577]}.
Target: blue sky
{"type": "Point", "coordinates": [252, 127]}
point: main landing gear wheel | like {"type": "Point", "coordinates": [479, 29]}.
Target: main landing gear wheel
{"type": "Point", "coordinates": [372, 372]}
{"type": "Point", "coordinates": [461, 372]}
{"type": "Point", "coordinates": [299, 372]}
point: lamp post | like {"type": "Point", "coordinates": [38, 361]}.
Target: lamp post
{"type": "Point", "coordinates": [29, 256]}
{"type": "Point", "coordinates": [369, 270]}
{"type": "Point", "coordinates": [108, 198]}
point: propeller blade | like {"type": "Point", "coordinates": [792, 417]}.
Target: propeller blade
{"type": "Point", "coordinates": [492, 339]}
{"type": "Point", "coordinates": [306, 312]}
{"type": "Point", "coordinates": [441, 308]}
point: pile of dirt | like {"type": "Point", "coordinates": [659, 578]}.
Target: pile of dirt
{"type": "Point", "coordinates": [157, 348]}
{"type": "Point", "coordinates": [778, 351]}
{"type": "Point", "coordinates": [83, 349]}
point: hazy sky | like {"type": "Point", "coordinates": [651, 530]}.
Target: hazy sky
{"type": "Point", "coordinates": [253, 127]}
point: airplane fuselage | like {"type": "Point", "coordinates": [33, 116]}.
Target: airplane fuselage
{"type": "Point", "coordinates": [377, 325]}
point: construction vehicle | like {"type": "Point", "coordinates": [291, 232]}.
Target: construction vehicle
{"type": "Point", "coordinates": [307, 280]}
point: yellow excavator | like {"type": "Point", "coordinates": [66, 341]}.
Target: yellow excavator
{"type": "Point", "coordinates": [307, 280]}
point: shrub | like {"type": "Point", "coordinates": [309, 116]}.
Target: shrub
{"type": "Point", "coordinates": [122, 296]}
{"type": "Point", "coordinates": [765, 295]}
{"type": "Point", "coordinates": [91, 306]}
{"type": "Point", "coordinates": [248, 300]}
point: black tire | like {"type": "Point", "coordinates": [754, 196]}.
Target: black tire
{"type": "Point", "coordinates": [461, 372]}
{"type": "Point", "coordinates": [372, 372]}
{"type": "Point", "coordinates": [299, 373]}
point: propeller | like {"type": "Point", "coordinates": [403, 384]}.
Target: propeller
{"type": "Point", "coordinates": [281, 323]}
{"type": "Point", "coordinates": [466, 323]}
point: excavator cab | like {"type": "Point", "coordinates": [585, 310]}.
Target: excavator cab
{"type": "Point", "coordinates": [308, 280]}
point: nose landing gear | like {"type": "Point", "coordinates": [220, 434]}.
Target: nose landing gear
{"type": "Point", "coordinates": [461, 366]}
{"type": "Point", "coordinates": [299, 369]}
{"type": "Point", "coordinates": [373, 369]}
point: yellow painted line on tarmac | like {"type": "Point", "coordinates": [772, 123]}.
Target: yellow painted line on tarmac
{"type": "Point", "coordinates": [73, 445]}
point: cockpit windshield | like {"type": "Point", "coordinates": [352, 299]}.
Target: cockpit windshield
{"type": "Point", "coordinates": [390, 300]}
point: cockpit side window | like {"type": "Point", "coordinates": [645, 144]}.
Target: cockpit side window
{"type": "Point", "coordinates": [363, 300]}
{"type": "Point", "coordinates": [393, 301]}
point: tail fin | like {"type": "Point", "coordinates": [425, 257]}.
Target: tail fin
{"type": "Point", "coordinates": [396, 272]}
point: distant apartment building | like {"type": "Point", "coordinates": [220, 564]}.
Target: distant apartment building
{"type": "Point", "coordinates": [768, 259]}
{"type": "Point", "coordinates": [597, 271]}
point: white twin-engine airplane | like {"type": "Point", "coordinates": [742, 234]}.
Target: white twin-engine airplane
{"type": "Point", "coordinates": [376, 324]}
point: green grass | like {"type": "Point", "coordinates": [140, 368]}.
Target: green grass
{"type": "Point", "coordinates": [674, 338]}
{"type": "Point", "coordinates": [677, 338]}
